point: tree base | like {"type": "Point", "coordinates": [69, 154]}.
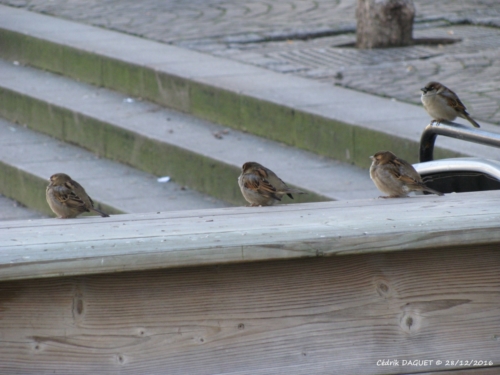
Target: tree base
{"type": "Point", "coordinates": [384, 23]}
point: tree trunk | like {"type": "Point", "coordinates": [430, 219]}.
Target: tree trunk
{"type": "Point", "coordinates": [384, 23]}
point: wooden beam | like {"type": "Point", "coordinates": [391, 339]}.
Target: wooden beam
{"type": "Point", "coordinates": [54, 247]}
{"type": "Point", "coordinates": [332, 315]}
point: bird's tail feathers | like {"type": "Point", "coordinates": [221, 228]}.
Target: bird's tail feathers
{"type": "Point", "coordinates": [103, 214]}
{"type": "Point", "coordinates": [471, 120]}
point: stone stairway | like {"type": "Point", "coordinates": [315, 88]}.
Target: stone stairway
{"type": "Point", "coordinates": [122, 110]}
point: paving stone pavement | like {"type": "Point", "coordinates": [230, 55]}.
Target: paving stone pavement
{"type": "Point", "coordinates": [311, 37]}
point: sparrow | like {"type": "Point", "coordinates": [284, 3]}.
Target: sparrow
{"type": "Point", "coordinates": [261, 187]}
{"type": "Point", "coordinates": [443, 104]}
{"type": "Point", "coordinates": [395, 177]}
{"type": "Point", "coordinates": [67, 198]}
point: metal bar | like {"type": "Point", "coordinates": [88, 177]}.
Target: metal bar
{"type": "Point", "coordinates": [483, 166]}
{"type": "Point", "coordinates": [453, 130]}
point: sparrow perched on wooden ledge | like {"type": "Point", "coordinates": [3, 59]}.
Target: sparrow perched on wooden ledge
{"type": "Point", "coordinates": [443, 104]}
{"type": "Point", "coordinates": [261, 187]}
{"type": "Point", "coordinates": [396, 177]}
{"type": "Point", "coordinates": [67, 198]}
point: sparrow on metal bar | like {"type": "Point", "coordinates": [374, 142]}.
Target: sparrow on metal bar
{"type": "Point", "coordinates": [395, 177]}
{"type": "Point", "coordinates": [67, 198]}
{"type": "Point", "coordinates": [262, 187]}
{"type": "Point", "coordinates": [443, 104]}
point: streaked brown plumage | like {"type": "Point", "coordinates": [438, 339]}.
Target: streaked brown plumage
{"type": "Point", "coordinates": [395, 177]}
{"type": "Point", "coordinates": [67, 198]}
{"type": "Point", "coordinates": [262, 187]}
{"type": "Point", "coordinates": [443, 104]}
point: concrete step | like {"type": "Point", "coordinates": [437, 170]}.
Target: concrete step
{"type": "Point", "coordinates": [194, 152]}
{"type": "Point", "coordinates": [29, 158]}
{"type": "Point", "coordinates": [12, 210]}
{"type": "Point", "coordinates": [324, 119]}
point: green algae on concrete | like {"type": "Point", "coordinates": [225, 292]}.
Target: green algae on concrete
{"type": "Point", "coordinates": [212, 177]}
{"type": "Point", "coordinates": [273, 121]}
{"type": "Point", "coordinates": [82, 65]}
{"type": "Point", "coordinates": [165, 89]}
{"type": "Point", "coordinates": [24, 188]}
{"type": "Point", "coordinates": [43, 54]}
{"type": "Point", "coordinates": [122, 76]}
{"type": "Point", "coordinates": [37, 114]}
{"type": "Point", "coordinates": [217, 105]}
{"type": "Point", "coordinates": [11, 45]}
{"type": "Point", "coordinates": [281, 123]}
{"type": "Point", "coordinates": [368, 142]}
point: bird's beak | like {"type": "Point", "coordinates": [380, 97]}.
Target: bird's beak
{"type": "Point", "coordinates": [371, 157]}
{"type": "Point", "coordinates": [424, 90]}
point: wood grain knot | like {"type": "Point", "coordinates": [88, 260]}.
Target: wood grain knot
{"type": "Point", "coordinates": [410, 323]}
{"type": "Point", "coordinates": [36, 345]}
{"type": "Point", "coordinates": [121, 359]}
{"type": "Point", "coordinates": [383, 288]}
{"type": "Point", "coordinates": [241, 326]}
{"type": "Point", "coordinates": [78, 306]}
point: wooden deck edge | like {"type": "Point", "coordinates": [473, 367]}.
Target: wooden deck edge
{"type": "Point", "coordinates": [52, 247]}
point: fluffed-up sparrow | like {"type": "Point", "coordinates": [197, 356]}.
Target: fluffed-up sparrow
{"type": "Point", "coordinates": [443, 104]}
{"type": "Point", "coordinates": [395, 177]}
{"type": "Point", "coordinates": [261, 187]}
{"type": "Point", "coordinates": [67, 198]}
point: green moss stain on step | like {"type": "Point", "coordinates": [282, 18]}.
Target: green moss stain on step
{"type": "Point", "coordinates": [293, 127]}
{"type": "Point", "coordinates": [165, 89]}
{"type": "Point", "coordinates": [196, 171]}
{"type": "Point", "coordinates": [24, 188]}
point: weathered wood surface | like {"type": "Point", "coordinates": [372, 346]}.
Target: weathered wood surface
{"type": "Point", "coordinates": [421, 282]}
{"type": "Point", "coordinates": [54, 247]}
{"type": "Point", "coordinates": [331, 315]}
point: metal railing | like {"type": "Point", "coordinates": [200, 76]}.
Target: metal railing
{"type": "Point", "coordinates": [458, 174]}
{"type": "Point", "coordinates": [453, 130]}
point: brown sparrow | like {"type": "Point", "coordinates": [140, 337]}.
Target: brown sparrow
{"type": "Point", "coordinates": [396, 177]}
{"type": "Point", "coordinates": [261, 187]}
{"type": "Point", "coordinates": [443, 104]}
{"type": "Point", "coordinates": [67, 198]}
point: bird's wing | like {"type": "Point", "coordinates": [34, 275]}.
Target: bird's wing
{"type": "Point", "coordinates": [405, 172]}
{"type": "Point", "coordinates": [454, 101]}
{"type": "Point", "coordinates": [67, 196]}
{"type": "Point", "coordinates": [259, 185]}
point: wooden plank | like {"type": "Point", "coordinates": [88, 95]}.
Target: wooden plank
{"type": "Point", "coordinates": [296, 317]}
{"type": "Point", "coordinates": [53, 247]}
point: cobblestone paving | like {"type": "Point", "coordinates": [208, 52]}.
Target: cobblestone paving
{"type": "Point", "coordinates": [308, 38]}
